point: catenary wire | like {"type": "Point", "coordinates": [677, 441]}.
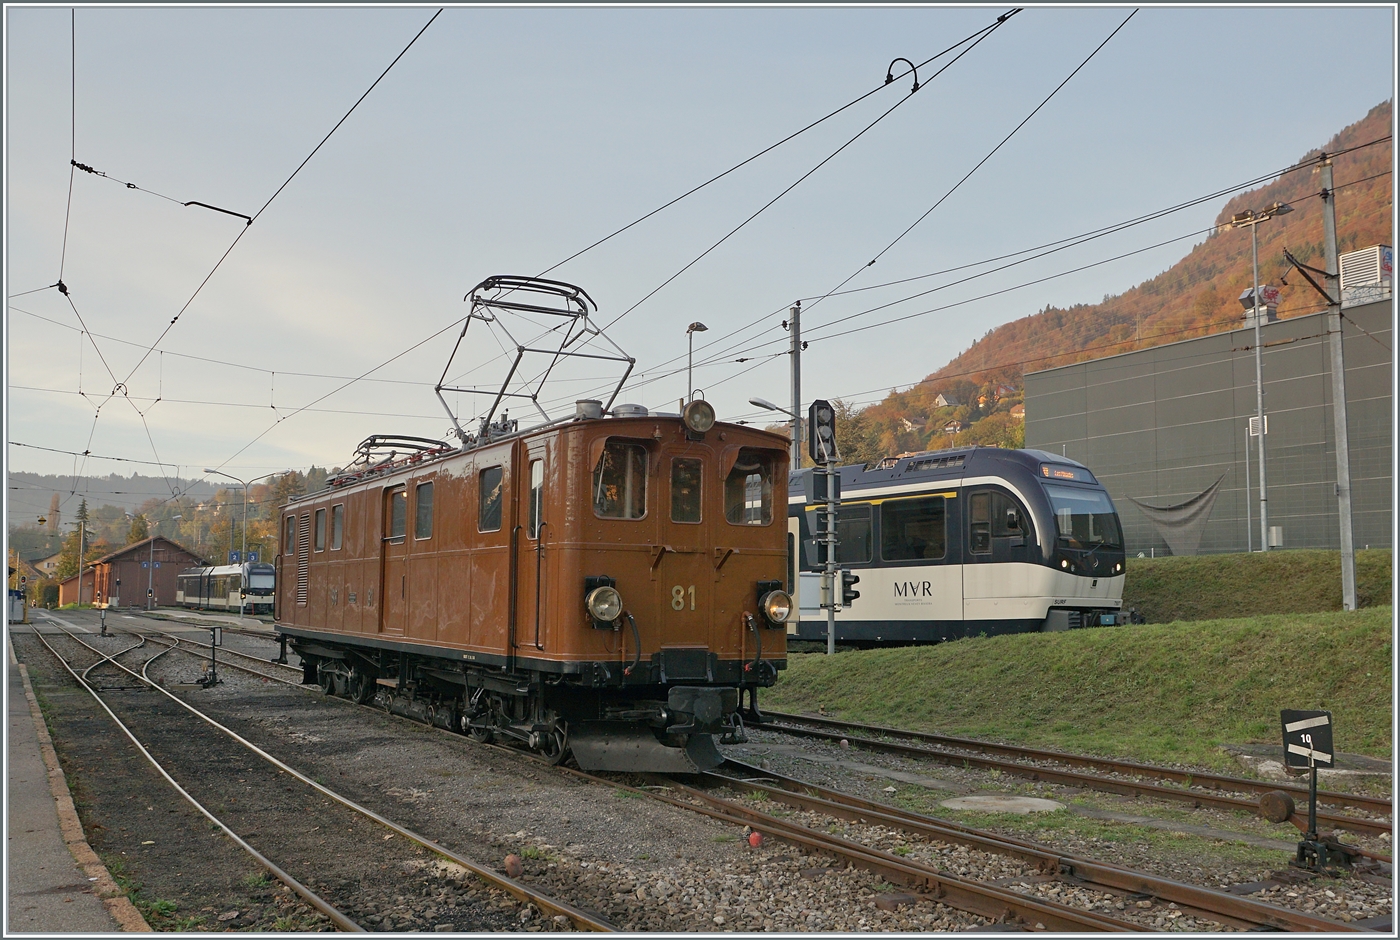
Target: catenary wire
{"type": "Point", "coordinates": [825, 160]}
{"type": "Point", "coordinates": [881, 253]}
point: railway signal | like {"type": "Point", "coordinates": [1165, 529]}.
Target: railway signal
{"type": "Point", "coordinates": [821, 437]}
{"type": "Point", "coordinates": [849, 580]}
{"type": "Point", "coordinates": [1307, 743]}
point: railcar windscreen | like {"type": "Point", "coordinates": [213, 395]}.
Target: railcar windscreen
{"type": "Point", "coordinates": [620, 481]}
{"type": "Point", "coordinates": [686, 474]}
{"type": "Point", "coordinates": [748, 490]}
{"type": "Point", "coordinates": [259, 581]}
{"type": "Point", "coordinates": [1085, 517]}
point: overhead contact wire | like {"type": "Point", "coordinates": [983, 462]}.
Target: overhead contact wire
{"type": "Point", "coordinates": [804, 176]}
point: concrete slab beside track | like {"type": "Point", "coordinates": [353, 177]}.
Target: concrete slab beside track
{"type": "Point", "coordinates": [54, 880]}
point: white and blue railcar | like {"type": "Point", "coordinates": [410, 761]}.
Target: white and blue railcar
{"type": "Point", "coordinates": [958, 543]}
{"type": "Point", "coordinates": [250, 587]}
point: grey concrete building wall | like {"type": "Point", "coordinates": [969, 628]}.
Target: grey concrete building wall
{"type": "Point", "coordinates": [1162, 424]}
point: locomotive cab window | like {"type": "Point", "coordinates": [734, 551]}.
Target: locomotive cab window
{"type": "Point", "coordinates": [320, 530]}
{"type": "Point", "coordinates": [620, 481]}
{"type": "Point", "coordinates": [397, 516]}
{"type": "Point", "coordinates": [491, 481]}
{"type": "Point", "coordinates": [289, 536]}
{"type": "Point", "coordinates": [748, 489]}
{"type": "Point", "coordinates": [337, 526]}
{"type": "Point", "coordinates": [536, 498]}
{"type": "Point", "coordinates": [914, 529]}
{"type": "Point", "coordinates": [423, 511]}
{"type": "Point", "coordinates": [994, 514]}
{"type": "Point", "coordinates": [686, 473]}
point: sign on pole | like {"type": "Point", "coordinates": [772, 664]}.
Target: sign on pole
{"type": "Point", "coordinates": [252, 557]}
{"type": "Point", "coordinates": [1307, 738]}
{"type": "Point", "coordinates": [234, 558]}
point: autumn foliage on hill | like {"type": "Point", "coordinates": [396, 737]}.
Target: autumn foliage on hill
{"type": "Point", "coordinates": [1195, 297]}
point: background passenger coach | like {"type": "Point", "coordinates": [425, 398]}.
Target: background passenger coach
{"type": "Point", "coordinates": [967, 542]}
{"type": "Point", "coordinates": [607, 585]}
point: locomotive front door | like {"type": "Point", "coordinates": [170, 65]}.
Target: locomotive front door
{"type": "Point", "coordinates": [393, 580]}
{"type": "Point", "coordinates": [532, 538]}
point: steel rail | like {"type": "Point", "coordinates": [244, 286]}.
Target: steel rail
{"type": "Point", "coordinates": [1072, 777]}
{"type": "Point", "coordinates": [1189, 778]}
{"type": "Point", "coordinates": [336, 917]}
{"type": "Point", "coordinates": [516, 889]}
{"type": "Point", "coordinates": [997, 904]}
{"type": "Point", "coordinates": [1234, 909]}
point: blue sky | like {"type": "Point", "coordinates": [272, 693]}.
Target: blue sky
{"type": "Point", "coordinates": [507, 139]}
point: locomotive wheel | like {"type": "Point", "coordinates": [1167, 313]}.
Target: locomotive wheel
{"type": "Point", "coordinates": [555, 745]}
{"type": "Point", "coordinates": [484, 735]}
{"type": "Point", "coordinates": [360, 687]}
{"type": "Point", "coordinates": [326, 680]}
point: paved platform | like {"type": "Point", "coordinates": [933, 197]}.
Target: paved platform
{"type": "Point", "coordinates": [55, 883]}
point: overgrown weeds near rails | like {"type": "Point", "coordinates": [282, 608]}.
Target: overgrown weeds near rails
{"type": "Point", "coordinates": [1169, 693]}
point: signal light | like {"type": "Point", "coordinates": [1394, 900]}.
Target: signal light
{"type": "Point", "coordinates": [849, 580]}
{"type": "Point", "coordinates": [821, 442]}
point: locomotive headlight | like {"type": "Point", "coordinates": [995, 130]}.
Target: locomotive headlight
{"type": "Point", "coordinates": [604, 604]}
{"type": "Point", "coordinates": [699, 416]}
{"type": "Point", "coordinates": [776, 606]}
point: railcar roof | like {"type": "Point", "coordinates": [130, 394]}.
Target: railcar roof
{"type": "Point", "coordinates": [625, 424]}
{"type": "Point", "coordinates": [939, 465]}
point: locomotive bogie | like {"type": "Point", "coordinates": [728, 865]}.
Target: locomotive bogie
{"type": "Point", "coordinates": [579, 574]}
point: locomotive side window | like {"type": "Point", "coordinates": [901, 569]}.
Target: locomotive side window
{"type": "Point", "coordinates": [337, 526]}
{"type": "Point", "coordinates": [536, 498]}
{"type": "Point", "coordinates": [620, 481]}
{"type": "Point", "coordinates": [398, 515]}
{"type": "Point", "coordinates": [914, 529]}
{"type": "Point", "coordinates": [423, 511]}
{"type": "Point", "coordinates": [489, 500]}
{"type": "Point", "coordinates": [289, 537]}
{"type": "Point", "coordinates": [685, 489]}
{"type": "Point", "coordinates": [980, 523]}
{"type": "Point", "coordinates": [748, 490]}
{"type": "Point", "coordinates": [320, 530]}
{"type": "Point", "coordinates": [854, 534]}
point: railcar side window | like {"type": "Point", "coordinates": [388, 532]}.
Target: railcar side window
{"type": "Point", "coordinates": [912, 529]}
{"type": "Point", "coordinates": [337, 526]}
{"type": "Point", "coordinates": [398, 514]}
{"type": "Point", "coordinates": [289, 537]}
{"type": "Point", "coordinates": [489, 500]}
{"type": "Point", "coordinates": [423, 511]}
{"type": "Point", "coordinates": [980, 523]}
{"type": "Point", "coordinates": [855, 538]}
{"type": "Point", "coordinates": [320, 530]}
{"type": "Point", "coordinates": [536, 498]}
{"type": "Point", "coordinates": [685, 489]}
{"type": "Point", "coordinates": [748, 490]}
{"type": "Point", "coordinates": [620, 481]}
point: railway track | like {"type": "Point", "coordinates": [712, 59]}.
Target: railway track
{"type": "Point", "coordinates": [107, 662]}
{"type": "Point", "coordinates": [1229, 909]}
{"type": "Point", "coordinates": [1114, 776]}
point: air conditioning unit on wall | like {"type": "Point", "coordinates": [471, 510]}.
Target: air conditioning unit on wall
{"type": "Point", "coordinates": [1366, 275]}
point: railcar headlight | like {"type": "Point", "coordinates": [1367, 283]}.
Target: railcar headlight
{"type": "Point", "coordinates": [776, 606]}
{"type": "Point", "coordinates": [699, 416]}
{"type": "Point", "coordinates": [604, 604]}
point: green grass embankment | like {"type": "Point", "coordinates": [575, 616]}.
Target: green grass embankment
{"type": "Point", "coordinates": [1212, 587]}
{"type": "Point", "coordinates": [1156, 693]}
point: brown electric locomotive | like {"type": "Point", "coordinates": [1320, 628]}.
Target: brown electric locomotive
{"type": "Point", "coordinates": [606, 586]}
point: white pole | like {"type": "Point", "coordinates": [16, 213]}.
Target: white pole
{"type": "Point", "coordinates": [796, 323]}
{"type": "Point", "coordinates": [1339, 387]}
{"type": "Point", "coordinates": [1259, 393]}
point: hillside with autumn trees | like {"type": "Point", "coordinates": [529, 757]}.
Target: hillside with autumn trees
{"type": "Point", "coordinates": [1195, 297]}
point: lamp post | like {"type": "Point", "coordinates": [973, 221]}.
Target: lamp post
{"type": "Point", "coordinates": [796, 427]}
{"type": "Point", "coordinates": [244, 553]}
{"type": "Point", "coordinates": [151, 567]}
{"type": "Point", "coordinates": [690, 331]}
{"type": "Point", "coordinates": [1252, 219]}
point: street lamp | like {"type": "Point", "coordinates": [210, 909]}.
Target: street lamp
{"type": "Point", "coordinates": [690, 331]}
{"type": "Point", "coordinates": [1252, 219]}
{"type": "Point", "coordinates": [151, 566]}
{"type": "Point", "coordinates": [796, 427]}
